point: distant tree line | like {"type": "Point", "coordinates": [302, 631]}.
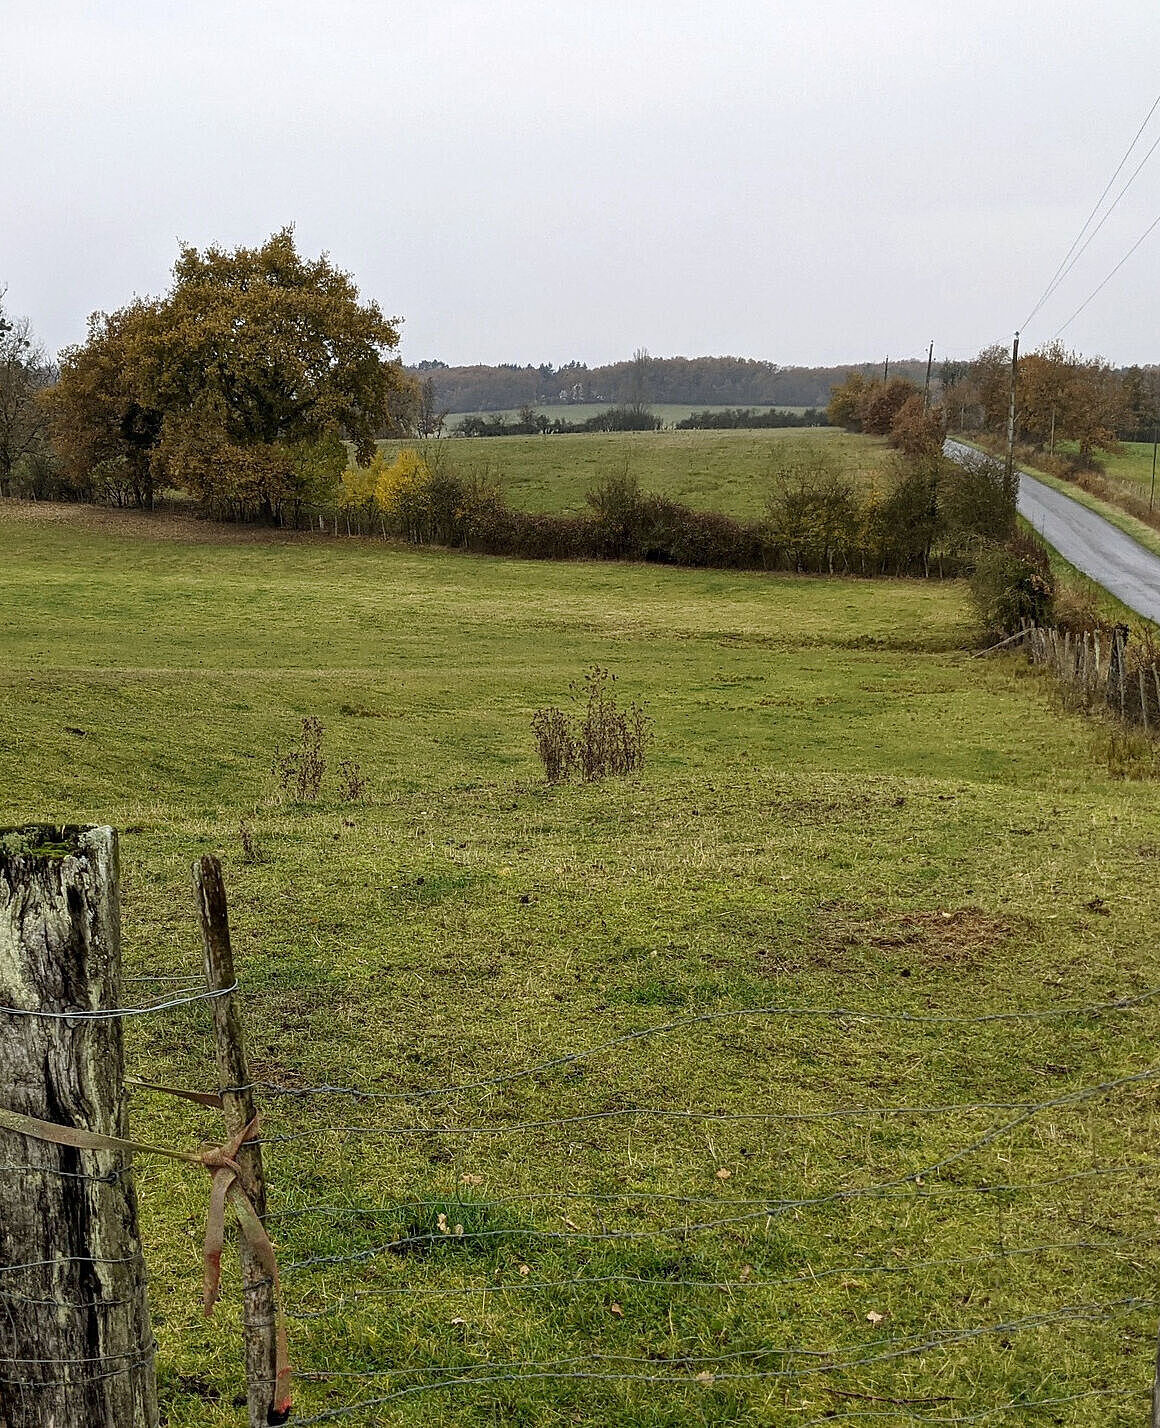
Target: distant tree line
{"type": "Point", "coordinates": [529, 422]}
{"type": "Point", "coordinates": [25, 373]}
{"type": "Point", "coordinates": [735, 418]}
{"type": "Point", "coordinates": [707, 381]}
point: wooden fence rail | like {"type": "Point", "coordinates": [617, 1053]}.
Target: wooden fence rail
{"type": "Point", "coordinates": [1098, 674]}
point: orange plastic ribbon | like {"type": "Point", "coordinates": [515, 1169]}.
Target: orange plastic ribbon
{"type": "Point", "coordinates": [226, 1185]}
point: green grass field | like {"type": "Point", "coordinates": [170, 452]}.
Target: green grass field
{"type": "Point", "coordinates": [669, 412]}
{"type": "Point", "coordinates": [1131, 465]}
{"type": "Point", "coordinates": [1120, 491]}
{"type": "Point", "coordinates": [730, 471]}
{"type": "Point", "coordinates": [841, 810]}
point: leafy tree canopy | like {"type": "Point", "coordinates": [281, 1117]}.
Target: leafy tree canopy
{"type": "Point", "coordinates": [238, 384]}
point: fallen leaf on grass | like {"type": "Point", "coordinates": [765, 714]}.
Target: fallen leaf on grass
{"type": "Point", "coordinates": [724, 1174]}
{"type": "Point", "coordinates": [875, 1318]}
{"type": "Point", "coordinates": [525, 1269]}
{"type": "Point", "coordinates": [705, 1377]}
{"type": "Point", "coordinates": [617, 1310]}
{"type": "Point", "coordinates": [471, 1180]}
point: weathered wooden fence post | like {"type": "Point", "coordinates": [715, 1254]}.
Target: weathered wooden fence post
{"type": "Point", "coordinates": [76, 1347]}
{"type": "Point", "coordinates": [260, 1312]}
{"type": "Point", "coordinates": [1154, 1417]}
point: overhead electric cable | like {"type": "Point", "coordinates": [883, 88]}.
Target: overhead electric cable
{"type": "Point", "coordinates": [1065, 266]}
{"type": "Point", "coordinates": [1096, 291]}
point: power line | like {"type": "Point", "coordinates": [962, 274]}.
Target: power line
{"type": "Point", "coordinates": [1096, 291]}
{"type": "Point", "coordinates": [1065, 266]}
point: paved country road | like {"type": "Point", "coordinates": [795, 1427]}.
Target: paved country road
{"type": "Point", "coordinates": [1093, 545]}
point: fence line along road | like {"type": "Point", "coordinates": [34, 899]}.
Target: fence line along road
{"type": "Point", "coordinates": [1092, 544]}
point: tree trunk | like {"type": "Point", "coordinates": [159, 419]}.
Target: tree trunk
{"type": "Point", "coordinates": [76, 1346]}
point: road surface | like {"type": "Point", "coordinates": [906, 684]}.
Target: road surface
{"type": "Point", "coordinates": [1092, 544]}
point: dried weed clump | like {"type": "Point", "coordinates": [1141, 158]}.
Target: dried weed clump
{"type": "Point", "coordinates": [252, 850]}
{"type": "Point", "coordinates": [301, 770]}
{"type": "Point", "coordinates": [601, 741]}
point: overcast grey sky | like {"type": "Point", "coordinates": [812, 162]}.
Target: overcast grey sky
{"type": "Point", "coordinates": [805, 182]}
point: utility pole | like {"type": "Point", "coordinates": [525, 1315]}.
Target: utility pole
{"type": "Point", "coordinates": [1155, 439]}
{"type": "Point", "coordinates": [885, 370]}
{"type": "Point", "coordinates": [1009, 472]}
{"type": "Point", "coordinates": [926, 385]}
{"type": "Point", "coordinates": [1053, 431]}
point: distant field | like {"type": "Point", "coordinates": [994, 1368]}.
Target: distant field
{"type": "Point", "coordinates": [1131, 465]}
{"type": "Point", "coordinates": [730, 471]}
{"type": "Point", "coordinates": [791, 1208]}
{"type": "Point", "coordinates": [668, 412]}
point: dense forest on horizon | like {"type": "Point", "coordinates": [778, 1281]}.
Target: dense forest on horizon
{"type": "Point", "coordinates": [710, 381]}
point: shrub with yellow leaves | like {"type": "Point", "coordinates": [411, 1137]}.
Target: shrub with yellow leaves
{"type": "Point", "coordinates": [421, 501]}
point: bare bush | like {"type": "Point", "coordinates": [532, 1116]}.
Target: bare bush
{"type": "Point", "coordinates": [554, 743]}
{"type": "Point", "coordinates": [301, 771]}
{"type": "Point", "coordinates": [352, 783]}
{"type": "Point", "coordinates": [252, 850]}
{"type": "Point", "coordinates": [602, 741]}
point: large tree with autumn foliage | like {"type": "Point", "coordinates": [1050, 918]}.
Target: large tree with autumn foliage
{"type": "Point", "coordinates": [1061, 394]}
{"type": "Point", "coordinates": [239, 385]}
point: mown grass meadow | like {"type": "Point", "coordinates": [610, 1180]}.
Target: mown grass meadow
{"type": "Point", "coordinates": [728, 471]}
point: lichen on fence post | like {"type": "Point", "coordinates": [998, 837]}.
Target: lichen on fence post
{"type": "Point", "coordinates": [76, 1345]}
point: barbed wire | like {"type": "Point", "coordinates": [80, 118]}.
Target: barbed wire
{"type": "Point", "coordinates": [662, 1113]}
{"type": "Point", "coordinates": [805, 1276]}
{"type": "Point", "coordinates": [112, 1178]}
{"type": "Point", "coordinates": [704, 1018]}
{"type": "Point", "coordinates": [885, 1351]}
{"type": "Point", "coordinates": [909, 1185]}
{"type": "Point", "coordinates": [1068, 1099]}
{"type": "Point", "coordinates": [55, 1303]}
{"type": "Point", "coordinates": [629, 1197]}
{"type": "Point", "coordinates": [189, 978]}
{"type": "Point", "coordinates": [118, 1013]}
{"type": "Point", "coordinates": [88, 1359]}
{"type": "Point", "coordinates": [67, 1259]}
{"type": "Point", "coordinates": [829, 1417]}
{"type": "Point", "coordinates": [769, 1211]}
{"type": "Point", "coordinates": [38, 1383]}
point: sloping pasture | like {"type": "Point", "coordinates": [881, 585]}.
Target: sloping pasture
{"type": "Point", "coordinates": [807, 1078]}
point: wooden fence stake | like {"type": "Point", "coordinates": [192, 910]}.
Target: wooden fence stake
{"type": "Point", "coordinates": [238, 1101]}
{"type": "Point", "coordinates": [76, 1345]}
{"type": "Point", "coordinates": [1154, 1419]}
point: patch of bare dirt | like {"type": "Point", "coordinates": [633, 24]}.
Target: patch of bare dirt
{"type": "Point", "coordinates": [846, 937]}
